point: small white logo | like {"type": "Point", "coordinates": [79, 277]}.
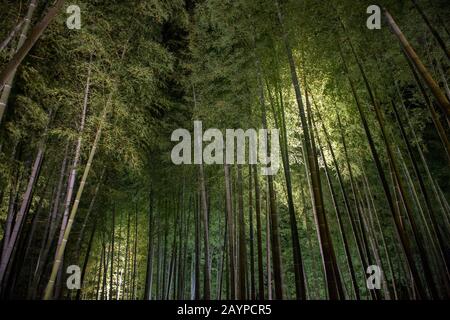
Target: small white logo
{"type": "Point", "coordinates": [74, 20]}
{"type": "Point", "coordinates": [374, 20]}
{"type": "Point", "coordinates": [74, 280]}
{"type": "Point", "coordinates": [374, 281]}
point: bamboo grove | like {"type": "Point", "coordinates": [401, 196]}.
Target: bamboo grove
{"type": "Point", "coordinates": [87, 182]}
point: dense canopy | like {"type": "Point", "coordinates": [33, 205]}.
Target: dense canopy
{"type": "Point", "coordinates": [359, 208]}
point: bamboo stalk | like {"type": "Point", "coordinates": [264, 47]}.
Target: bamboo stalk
{"type": "Point", "coordinates": [432, 84]}
{"type": "Point", "coordinates": [62, 247]}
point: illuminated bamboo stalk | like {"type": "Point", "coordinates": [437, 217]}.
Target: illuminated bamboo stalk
{"type": "Point", "coordinates": [62, 247]}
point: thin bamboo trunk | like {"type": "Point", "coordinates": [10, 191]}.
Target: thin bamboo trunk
{"type": "Point", "coordinates": [18, 57]}
{"type": "Point", "coordinates": [88, 214]}
{"type": "Point", "coordinates": [258, 235]}
{"type": "Point", "coordinates": [127, 251]}
{"type": "Point", "coordinates": [30, 233]}
{"type": "Point", "coordinates": [268, 248]}
{"type": "Point", "coordinates": [158, 263]}
{"type": "Point", "coordinates": [296, 250]}
{"type": "Point", "coordinates": [14, 190]}
{"type": "Point", "coordinates": [86, 260]}
{"type": "Point", "coordinates": [204, 210]}
{"type": "Point", "coordinates": [431, 83]}
{"type": "Point", "coordinates": [119, 260]}
{"type": "Point", "coordinates": [45, 249]}
{"type": "Point", "coordinates": [251, 231]}
{"type": "Point", "coordinates": [150, 250]}
{"type": "Point", "coordinates": [62, 247]}
{"type": "Point", "coordinates": [404, 197]}
{"type": "Point", "coordinates": [230, 223]}
{"type": "Point", "coordinates": [397, 218]}
{"type": "Point", "coordinates": [10, 78]}
{"type": "Point", "coordinates": [106, 257]}
{"type": "Point", "coordinates": [435, 33]}
{"type": "Point", "coordinates": [21, 215]}
{"type": "Point", "coordinates": [326, 245]}
{"type": "Point", "coordinates": [174, 252]}
{"type": "Point", "coordinates": [197, 250]}
{"type": "Point", "coordinates": [12, 34]}
{"type": "Point", "coordinates": [113, 234]}
{"type": "Point", "coordinates": [100, 268]}
{"type": "Point", "coordinates": [242, 292]}
{"type": "Point", "coordinates": [339, 220]}
{"type": "Point", "coordinates": [431, 214]}
{"type": "Point", "coordinates": [274, 224]}
{"type": "Point", "coordinates": [223, 257]}
{"type": "Point", "coordinates": [133, 291]}
{"type": "Point", "coordinates": [434, 115]}
{"type": "Point", "coordinates": [383, 237]}
{"type": "Point", "coordinates": [73, 172]}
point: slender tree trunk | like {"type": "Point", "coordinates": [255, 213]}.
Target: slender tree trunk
{"type": "Point", "coordinates": [62, 247]}
{"type": "Point", "coordinates": [252, 249]}
{"type": "Point", "coordinates": [397, 218]}
{"type": "Point", "coordinates": [417, 237]}
{"type": "Point", "coordinates": [242, 240]}
{"type": "Point", "coordinates": [12, 34]}
{"type": "Point", "coordinates": [45, 249]}
{"type": "Point", "coordinates": [334, 264]}
{"type": "Point", "coordinates": [268, 247]}
{"type": "Point", "coordinates": [21, 215]}
{"type": "Point", "coordinates": [431, 83]}
{"type": "Point", "coordinates": [100, 268]}
{"type": "Point", "coordinates": [361, 244]}
{"type": "Point", "coordinates": [223, 257]}
{"type": "Point", "coordinates": [106, 257]}
{"type": "Point", "coordinates": [204, 210]}
{"type": "Point", "coordinates": [88, 214]}
{"type": "Point", "coordinates": [230, 223]}
{"type": "Point", "coordinates": [86, 259]}
{"type": "Point", "coordinates": [197, 250]}
{"type": "Point", "coordinates": [73, 172]}
{"type": "Point", "coordinates": [258, 235]}
{"type": "Point", "coordinates": [444, 81]}
{"type": "Point", "coordinates": [149, 276]}
{"type": "Point", "coordinates": [30, 233]}
{"type": "Point", "coordinates": [185, 249]}
{"type": "Point", "coordinates": [436, 35]}
{"type": "Point", "coordinates": [319, 210]}
{"type": "Point", "coordinates": [174, 252]}
{"type": "Point", "coordinates": [119, 278]}
{"type": "Point", "coordinates": [35, 34]}
{"type": "Point", "coordinates": [113, 234]}
{"type": "Point", "coordinates": [127, 250]}
{"type": "Point", "coordinates": [10, 78]}
{"type": "Point", "coordinates": [164, 258]}
{"type": "Point", "coordinates": [423, 161]}
{"type": "Point", "coordinates": [274, 225]}
{"type": "Point", "coordinates": [158, 264]}
{"type": "Point", "coordinates": [434, 116]}
{"type": "Point", "coordinates": [133, 292]}
{"type": "Point", "coordinates": [339, 220]}
{"type": "Point", "coordinates": [383, 237]}
{"type": "Point", "coordinates": [431, 214]}
{"type": "Point", "coordinates": [296, 250]}
{"type": "Point", "coordinates": [14, 190]}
